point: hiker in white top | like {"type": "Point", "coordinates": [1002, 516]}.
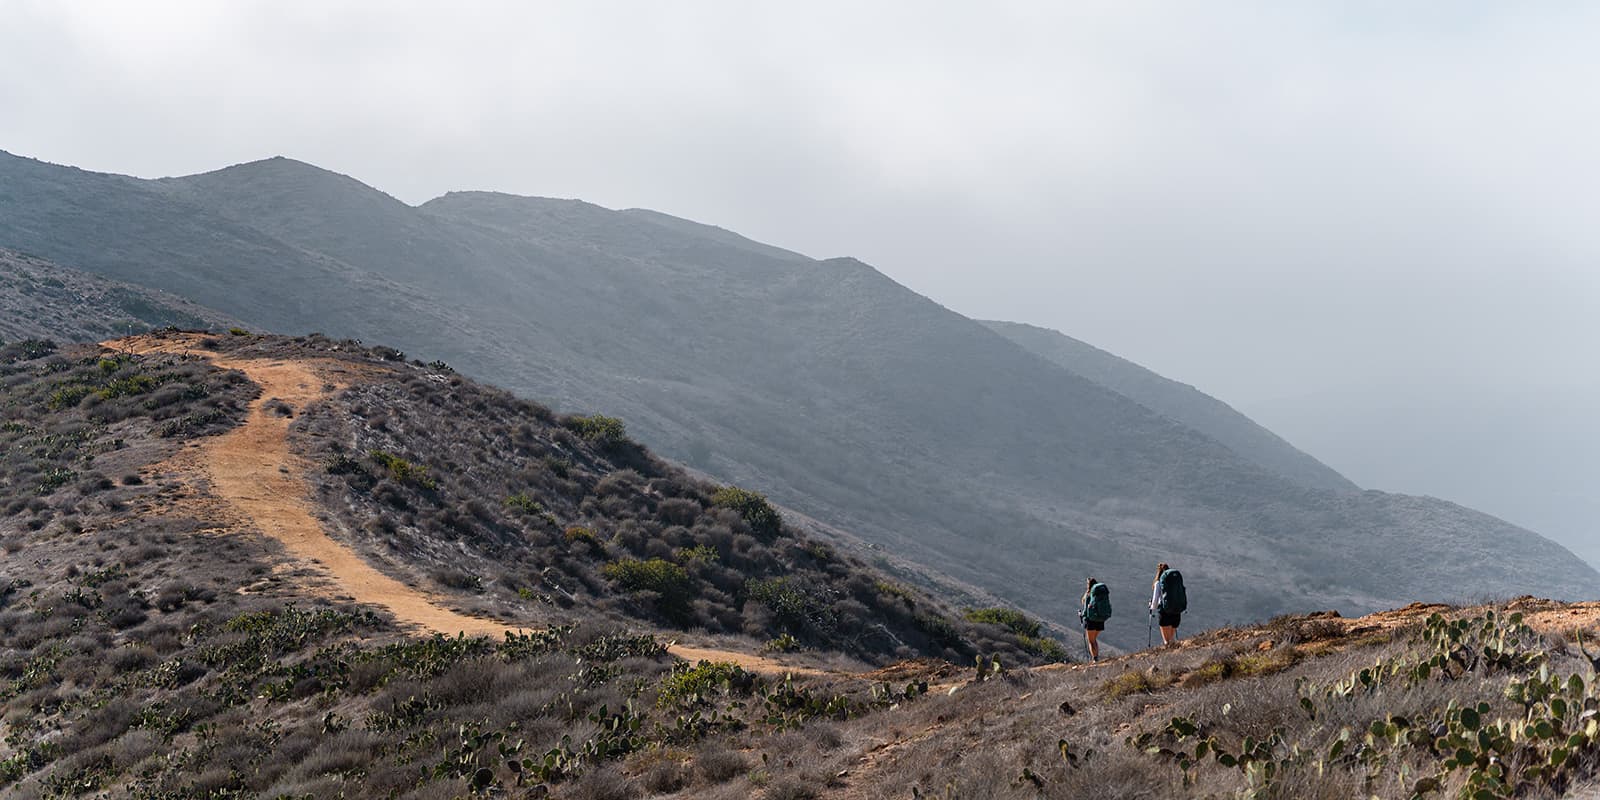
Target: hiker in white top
{"type": "Point", "coordinates": [1168, 601]}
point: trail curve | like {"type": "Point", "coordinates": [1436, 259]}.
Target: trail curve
{"type": "Point", "coordinates": [252, 469]}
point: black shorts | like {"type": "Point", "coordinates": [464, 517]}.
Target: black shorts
{"type": "Point", "coordinates": [1091, 625]}
{"type": "Point", "coordinates": [1169, 619]}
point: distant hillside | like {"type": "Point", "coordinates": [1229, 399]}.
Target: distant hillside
{"type": "Point", "coordinates": [41, 300]}
{"type": "Point", "coordinates": [1178, 401]}
{"type": "Point", "coordinates": [130, 230]}
{"type": "Point", "coordinates": [823, 383]}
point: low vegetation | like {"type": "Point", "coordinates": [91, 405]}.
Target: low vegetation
{"type": "Point", "coordinates": [143, 655]}
{"type": "Point", "coordinates": [606, 433]}
{"type": "Point", "coordinates": [752, 507]}
{"type": "Point", "coordinates": [1026, 629]}
{"type": "Point", "coordinates": [559, 517]}
{"type": "Point", "coordinates": [41, 300]}
{"type": "Point", "coordinates": [70, 414]}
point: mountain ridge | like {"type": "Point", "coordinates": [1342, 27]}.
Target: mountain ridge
{"type": "Point", "coordinates": [43, 300]}
{"type": "Point", "coordinates": [157, 642]}
{"type": "Point", "coordinates": [1177, 400]}
{"type": "Point", "coordinates": [835, 389]}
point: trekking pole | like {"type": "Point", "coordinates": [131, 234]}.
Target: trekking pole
{"type": "Point", "coordinates": [1150, 631]}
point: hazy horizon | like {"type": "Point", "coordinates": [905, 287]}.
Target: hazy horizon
{"type": "Point", "coordinates": [1365, 227]}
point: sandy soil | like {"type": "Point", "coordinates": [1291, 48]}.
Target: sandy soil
{"type": "Point", "coordinates": [254, 473]}
{"type": "Point", "coordinates": [252, 470]}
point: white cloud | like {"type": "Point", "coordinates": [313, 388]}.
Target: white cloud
{"type": "Point", "coordinates": [1270, 200]}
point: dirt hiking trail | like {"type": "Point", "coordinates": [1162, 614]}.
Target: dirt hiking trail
{"type": "Point", "coordinates": [253, 471]}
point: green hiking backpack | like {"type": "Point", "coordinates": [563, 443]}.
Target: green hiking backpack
{"type": "Point", "coordinates": [1173, 598]}
{"type": "Point", "coordinates": [1098, 609]}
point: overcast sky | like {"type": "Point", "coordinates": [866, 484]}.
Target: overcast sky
{"type": "Point", "coordinates": [1371, 226]}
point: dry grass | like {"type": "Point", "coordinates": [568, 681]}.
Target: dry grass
{"type": "Point", "coordinates": [1135, 681]}
{"type": "Point", "coordinates": [1246, 664]}
{"type": "Point", "coordinates": [136, 644]}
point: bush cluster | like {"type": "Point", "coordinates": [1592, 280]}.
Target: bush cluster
{"type": "Point", "coordinates": [606, 433]}
{"type": "Point", "coordinates": [1027, 630]}
{"type": "Point", "coordinates": [752, 507]}
{"type": "Point", "coordinates": [402, 470]}
{"type": "Point", "coordinates": [61, 405]}
{"type": "Point", "coordinates": [566, 512]}
{"type": "Point", "coordinates": [660, 576]}
{"type": "Point", "coordinates": [143, 656]}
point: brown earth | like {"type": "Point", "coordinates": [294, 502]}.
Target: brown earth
{"type": "Point", "coordinates": [260, 485]}
{"type": "Point", "coordinates": [250, 479]}
{"type": "Point", "coordinates": [257, 480]}
{"type": "Point", "coordinates": [887, 753]}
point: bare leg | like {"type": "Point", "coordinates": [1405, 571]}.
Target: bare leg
{"type": "Point", "coordinates": [1094, 644]}
{"type": "Point", "coordinates": [1169, 634]}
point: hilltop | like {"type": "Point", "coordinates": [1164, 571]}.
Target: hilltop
{"type": "Point", "coordinates": [822, 383]}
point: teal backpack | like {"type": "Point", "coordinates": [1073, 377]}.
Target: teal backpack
{"type": "Point", "coordinates": [1173, 598]}
{"type": "Point", "coordinates": [1098, 609]}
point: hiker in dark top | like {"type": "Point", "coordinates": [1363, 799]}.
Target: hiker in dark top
{"type": "Point", "coordinates": [1168, 601]}
{"type": "Point", "coordinates": [1093, 612]}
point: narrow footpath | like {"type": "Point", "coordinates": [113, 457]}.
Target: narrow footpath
{"type": "Point", "coordinates": [252, 470]}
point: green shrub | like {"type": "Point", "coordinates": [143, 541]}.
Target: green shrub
{"type": "Point", "coordinates": [67, 396]}
{"type": "Point", "coordinates": [655, 575]}
{"type": "Point", "coordinates": [14, 768]}
{"type": "Point", "coordinates": [896, 590]}
{"type": "Point", "coordinates": [26, 350]}
{"type": "Point", "coordinates": [238, 332]}
{"type": "Point", "coordinates": [789, 603]}
{"type": "Point", "coordinates": [131, 385]}
{"type": "Point", "coordinates": [782, 643]}
{"type": "Point", "coordinates": [56, 478]}
{"type": "Point", "coordinates": [1026, 628]}
{"type": "Point", "coordinates": [1011, 618]}
{"type": "Point", "coordinates": [341, 464]}
{"type": "Point", "coordinates": [604, 432]}
{"type": "Point", "coordinates": [577, 534]}
{"type": "Point", "coordinates": [690, 684]}
{"type": "Point", "coordinates": [522, 502]}
{"type": "Point", "coordinates": [458, 579]}
{"type": "Point", "coordinates": [1044, 647]}
{"type": "Point", "coordinates": [428, 658]}
{"type": "Point", "coordinates": [699, 554]}
{"type": "Point", "coordinates": [404, 471]}
{"type": "Point", "coordinates": [753, 507]}
{"type": "Point", "coordinates": [819, 551]}
{"type": "Point", "coordinates": [939, 629]}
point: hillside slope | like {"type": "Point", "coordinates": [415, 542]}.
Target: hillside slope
{"type": "Point", "coordinates": [1178, 401]}
{"type": "Point", "coordinates": [130, 230]}
{"type": "Point", "coordinates": [164, 631]}
{"type": "Point", "coordinates": [823, 383]}
{"type": "Point", "coordinates": [42, 300]}
{"type": "Point", "coordinates": [200, 527]}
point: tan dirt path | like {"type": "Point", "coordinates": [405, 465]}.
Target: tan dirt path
{"type": "Point", "coordinates": [253, 470]}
